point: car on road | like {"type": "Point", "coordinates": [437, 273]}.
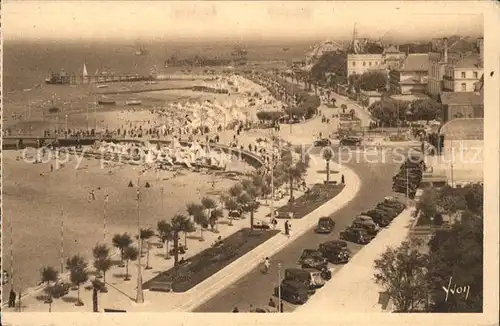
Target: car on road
{"type": "Point", "coordinates": [60, 289]}
{"type": "Point", "coordinates": [292, 291]}
{"type": "Point", "coordinates": [325, 225]}
{"type": "Point", "coordinates": [310, 277]}
{"type": "Point", "coordinates": [322, 142]}
{"type": "Point", "coordinates": [367, 223]}
{"type": "Point", "coordinates": [335, 251]}
{"type": "Point", "coordinates": [235, 213]}
{"type": "Point", "coordinates": [350, 141]}
{"type": "Point", "coordinates": [391, 212]}
{"type": "Point", "coordinates": [368, 227]}
{"type": "Point", "coordinates": [356, 235]}
{"type": "Point", "coordinates": [394, 203]}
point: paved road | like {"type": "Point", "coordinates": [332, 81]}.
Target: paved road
{"type": "Point", "coordinates": [256, 288]}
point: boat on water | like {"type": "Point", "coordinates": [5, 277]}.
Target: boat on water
{"type": "Point", "coordinates": [102, 86]}
{"type": "Point", "coordinates": [133, 102]}
{"type": "Point", "coordinates": [58, 78]}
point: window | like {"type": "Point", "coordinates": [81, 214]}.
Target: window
{"type": "Point", "coordinates": [475, 74]}
{"type": "Point", "coordinates": [463, 86]}
{"type": "Point", "coordinates": [463, 74]}
{"type": "Point", "coordinates": [364, 63]}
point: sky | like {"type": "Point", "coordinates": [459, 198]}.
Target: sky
{"type": "Point", "coordinates": [145, 20]}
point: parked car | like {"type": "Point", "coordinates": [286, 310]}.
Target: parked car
{"type": "Point", "coordinates": [355, 235]}
{"type": "Point", "coordinates": [322, 142]}
{"type": "Point", "coordinates": [368, 227]}
{"type": "Point", "coordinates": [379, 216]}
{"type": "Point", "coordinates": [367, 223]}
{"type": "Point", "coordinates": [335, 251]}
{"type": "Point", "coordinates": [312, 258]}
{"type": "Point", "coordinates": [391, 212]}
{"type": "Point", "coordinates": [394, 203]}
{"type": "Point", "coordinates": [325, 225]}
{"type": "Point", "coordinates": [311, 278]}
{"type": "Point", "coordinates": [235, 213]}
{"type": "Point", "coordinates": [292, 291]}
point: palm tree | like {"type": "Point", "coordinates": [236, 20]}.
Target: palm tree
{"type": "Point", "coordinates": [231, 205]}
{"type": "Point", "coordinates": [165, 232]}
{"type": "Point", "coordinates": [327, 156]}
{"type": "Point", "coordinates": [129, 254]}
{"type": "Point", "coordinates": [201, 219]}
{"type": "Point", "coordinates": [76, 262]}
{"type": "Point", "coordinates": [122, 241]}
{"type": "Point", "coordinates": [103, 264]}
{"type": "Point", "coordinates": [192, 208]}
{"type": "Point", "coordinates": [146, 234]}
{"type": "Point", "coordinates": [209, 204]}
{"type": "Point", "coordinates": [180, 223]}
{"type": "Point", "coordinates": [49, 274]}
{"type": "Point", "coordinates": [78, 276]}
{"type": "Point", "coordinates": [100, 251]}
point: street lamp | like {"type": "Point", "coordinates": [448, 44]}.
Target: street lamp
{"type": "Point", "coordinates": [62, 241]}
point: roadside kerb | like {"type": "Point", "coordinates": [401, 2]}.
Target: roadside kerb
{"type": "Point", "coordinates": [353, 289]}
{"type": "Point", "coordinates": [231, 273]}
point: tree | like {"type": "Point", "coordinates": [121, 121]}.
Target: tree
{"type": "Point", "coordinates": [331, 64]}
{"type": "Point", "coordinates": [166, 235]}
{"type": "Point", "coordinates": [103, 264]}
{"type": "Point", "coordinates": [369, 81]}
{"type": "Point", "coordinates": [76, 262]}
{"type": "Point", "coordinates": [129, 254]}
{"type": "Point", "coordinates": [49, 274]}
{"type": "Point", "coordinates": [235, 190]}
{"type": "Point", "coordinates": [201, 219]}
{"type": "Point", "coordinates": [474, 197]}
{"type": "Point", "coordinates": [401, 272]}
{"type": "Point", "coordinates": [209, 204]}
{"type": "Point", "coordinates": [122, 241]}
{"type": "Point", "coordinates": [78, 276]}
{"type": "Point", "coordinates": [451, 200]}
{"type": "Point", "coordinates": [327, 156]}
{"type": "Point", "coordinates": [180, 223]}
{"type": "Point", "coordinates": [146, 234]}
{"type": "Point", "coordinates": [425, 110]}
{"type": "Point", "coordinates": [100, 251]}
{"type": "Point", "coordinates": [457, 253]}
{"type": "Point", "coordinates": [389, 112]}
{"type": "Point", "coordinates": [427, 205]}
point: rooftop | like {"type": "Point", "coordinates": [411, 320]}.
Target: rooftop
{"type": "Point", "coordinates": [415, 62]}
{"type": "Point", "coordinates": [471, 61]}
{"type": "Point", "coordinates": [461, 98]}
{"type": "Point", "coordinates": [410, 97]}
{"type": "Point", "coordinates": [391, 49]}
{"type": "Point", "coordinates": [464, 129]}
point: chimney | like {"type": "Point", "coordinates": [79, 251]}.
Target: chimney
{"type": "Point", "coordinates": [445, 50]}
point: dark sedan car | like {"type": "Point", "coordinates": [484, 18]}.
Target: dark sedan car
{"type": "Point", "coordinates": [325, 225]}
{"type": "Point", "coordinates": [322, 142]}
{"type": "Point", "coordinates": [356, 235]}
{"type": "Point", "coordinates": [292, 291]}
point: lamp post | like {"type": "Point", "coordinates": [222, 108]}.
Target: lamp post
{"type": "Point", "coordinates": [279, 288]}
{"type": "Point", "coordinates": [140, 294]}
{"type": "Point", "coordinates": [407, 190]}
{"type": "Point", "coordinates": [106, 199]}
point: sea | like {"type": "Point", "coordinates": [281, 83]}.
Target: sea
{"type": "Point", "coordinates": [27, 64]}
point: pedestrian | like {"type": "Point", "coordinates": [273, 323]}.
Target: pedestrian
{"type": "Point", "coordinates": [271, 303]}
{"type": "Point", "coordinates": [287, 228]}
{"type": "Point", "coordinates": [342, 180]}
{"type": "Point", "coordinates": [267, 265]}
{"type": "Point", "coordinates": [274, 222]}
{"type": "Point", "coordinates": [236, 309]}
{"type": "Point", "coordinates": [12, 299]}
{"type": "Point", "coordinates": [281, 306]}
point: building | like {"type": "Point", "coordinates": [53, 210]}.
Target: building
{"type": "Point", "coordinates": [462, 160]}
{"type": "Point", "coordinates": [463, 75]}
{"type": "Point", "coordinates": [367, 98]}
{"type": "Point", "coordinates": [393, 57]}
{"type": "Point", "coordinates": [461, 105]}
{"type": "Point", "coordinates": [361, 63]}
{"type": "Point", "coordinates": [444, 56]}
{"type": "Point", "coordinates": [412, 76]}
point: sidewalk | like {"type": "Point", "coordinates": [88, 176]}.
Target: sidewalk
{"type": "Point", "coordinates": [353, 289]}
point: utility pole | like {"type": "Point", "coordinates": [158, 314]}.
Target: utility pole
{"type": "Point", "coordinates": [11, 253]}
{"type": "Point", "coordinates": [271, 167]}
{"type": "Point", "coordinates": [279, 287]}
{"type": "Point", "coordinates": [106, 198]}
{"type": "Point", "coordinates": [62, 241]}
{"type": "Point", "coordinates": [407, 190]}
{"type": "Point", "coordinates": [140, 294]}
